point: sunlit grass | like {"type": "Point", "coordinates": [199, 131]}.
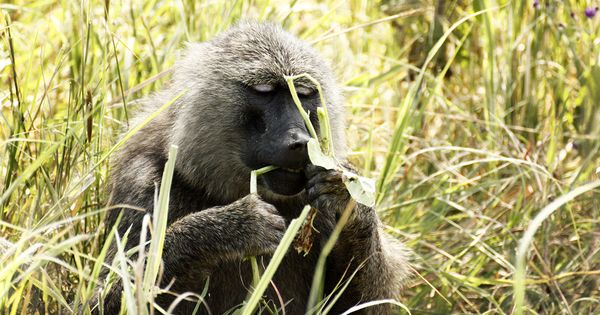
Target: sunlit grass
{"type": "Point", "coordinates": [473, 118]}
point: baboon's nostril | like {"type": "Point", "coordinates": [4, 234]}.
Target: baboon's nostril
{"type": "Point", "coordinates": [297, 145]}
{"type": "Point", "coordinates": [298, 141]}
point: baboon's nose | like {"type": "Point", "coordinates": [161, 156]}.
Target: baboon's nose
{"type": "Point", "coordinates": [295, 153]}
{"type": "Point", "coordinates": [298, 141]}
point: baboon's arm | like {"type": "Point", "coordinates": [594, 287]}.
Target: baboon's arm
{"type": "Point", "coordinates": [202, 240]}
{"type": "Point", "coordinates": [198, 242]}
{"type": "Point", "coordinates": [378, 262]}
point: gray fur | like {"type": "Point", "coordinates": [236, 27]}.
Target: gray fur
{"type": "Point", "coordinates": [213, 222]}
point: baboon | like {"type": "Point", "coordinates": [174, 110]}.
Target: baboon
{"type": "Point", "coordinates": [236, 115]}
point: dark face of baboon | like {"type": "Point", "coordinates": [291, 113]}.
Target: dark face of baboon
{"type": "Point", "coordinates": [239, 114]}
{"type": "Point", "coordinates": [276, 135]}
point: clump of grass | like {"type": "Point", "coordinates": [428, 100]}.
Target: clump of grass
{"type": "Point", "coordinates": [503, 123]}
{"type": "Point", "coordinates": [140, 279]}
{"type": "Point", "coordinates": [525, 242]}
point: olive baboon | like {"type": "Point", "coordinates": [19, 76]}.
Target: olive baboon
{"type": "Point", "coordinates": [235, 116]}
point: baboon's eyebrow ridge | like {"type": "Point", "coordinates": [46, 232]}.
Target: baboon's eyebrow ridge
{"type": "Point", "coordinates": [267, 76]}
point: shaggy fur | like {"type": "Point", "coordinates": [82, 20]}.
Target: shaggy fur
{"type": "Point", "coordinates": [213, 222]}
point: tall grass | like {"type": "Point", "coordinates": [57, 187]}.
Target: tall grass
{"type": "Point", "coordinates": [476, 118]}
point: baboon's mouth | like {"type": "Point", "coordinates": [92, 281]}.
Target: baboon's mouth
{"type": "Point", "coordinates": [285, 181]}
{"type": "Point", "coordinates": [293, 170]}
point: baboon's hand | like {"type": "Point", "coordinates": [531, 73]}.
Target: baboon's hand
{"type": "Point", "coordinates": [263, 227]}
{"type": "Point", "coordinates": [325, 189]}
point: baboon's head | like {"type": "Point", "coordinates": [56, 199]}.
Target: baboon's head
{"type": "Point", "coordinates": [238, 114]}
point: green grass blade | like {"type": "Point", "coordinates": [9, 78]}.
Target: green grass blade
{"type": "Point", "coordinates": [159, 224]}
{"type": "Point", "coordinates": [280, 252]}
{"type": "Point", "coordinates": [525, 242]}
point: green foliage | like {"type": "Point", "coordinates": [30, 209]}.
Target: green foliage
{"type": "Point", "coordinates": [473, 116]}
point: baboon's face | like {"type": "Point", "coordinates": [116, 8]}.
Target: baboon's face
{"type": "Point", "coordinates": [238, 113]}
{"type": "Point", "coordinates": [275, 133]}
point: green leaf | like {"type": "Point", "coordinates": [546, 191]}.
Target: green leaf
{"type": "Point", "coordinates": [362, 189]}
{"type": "Point", "coordinates": [317, 157]}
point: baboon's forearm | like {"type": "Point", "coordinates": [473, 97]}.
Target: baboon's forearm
{"type": "Point", "coordinates": [363, 247]}
{"type": "Point", "coordinates": [197, 242]}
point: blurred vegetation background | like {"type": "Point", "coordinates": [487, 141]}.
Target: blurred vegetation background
{"type": "Point", "coordinates": [472, 116]}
